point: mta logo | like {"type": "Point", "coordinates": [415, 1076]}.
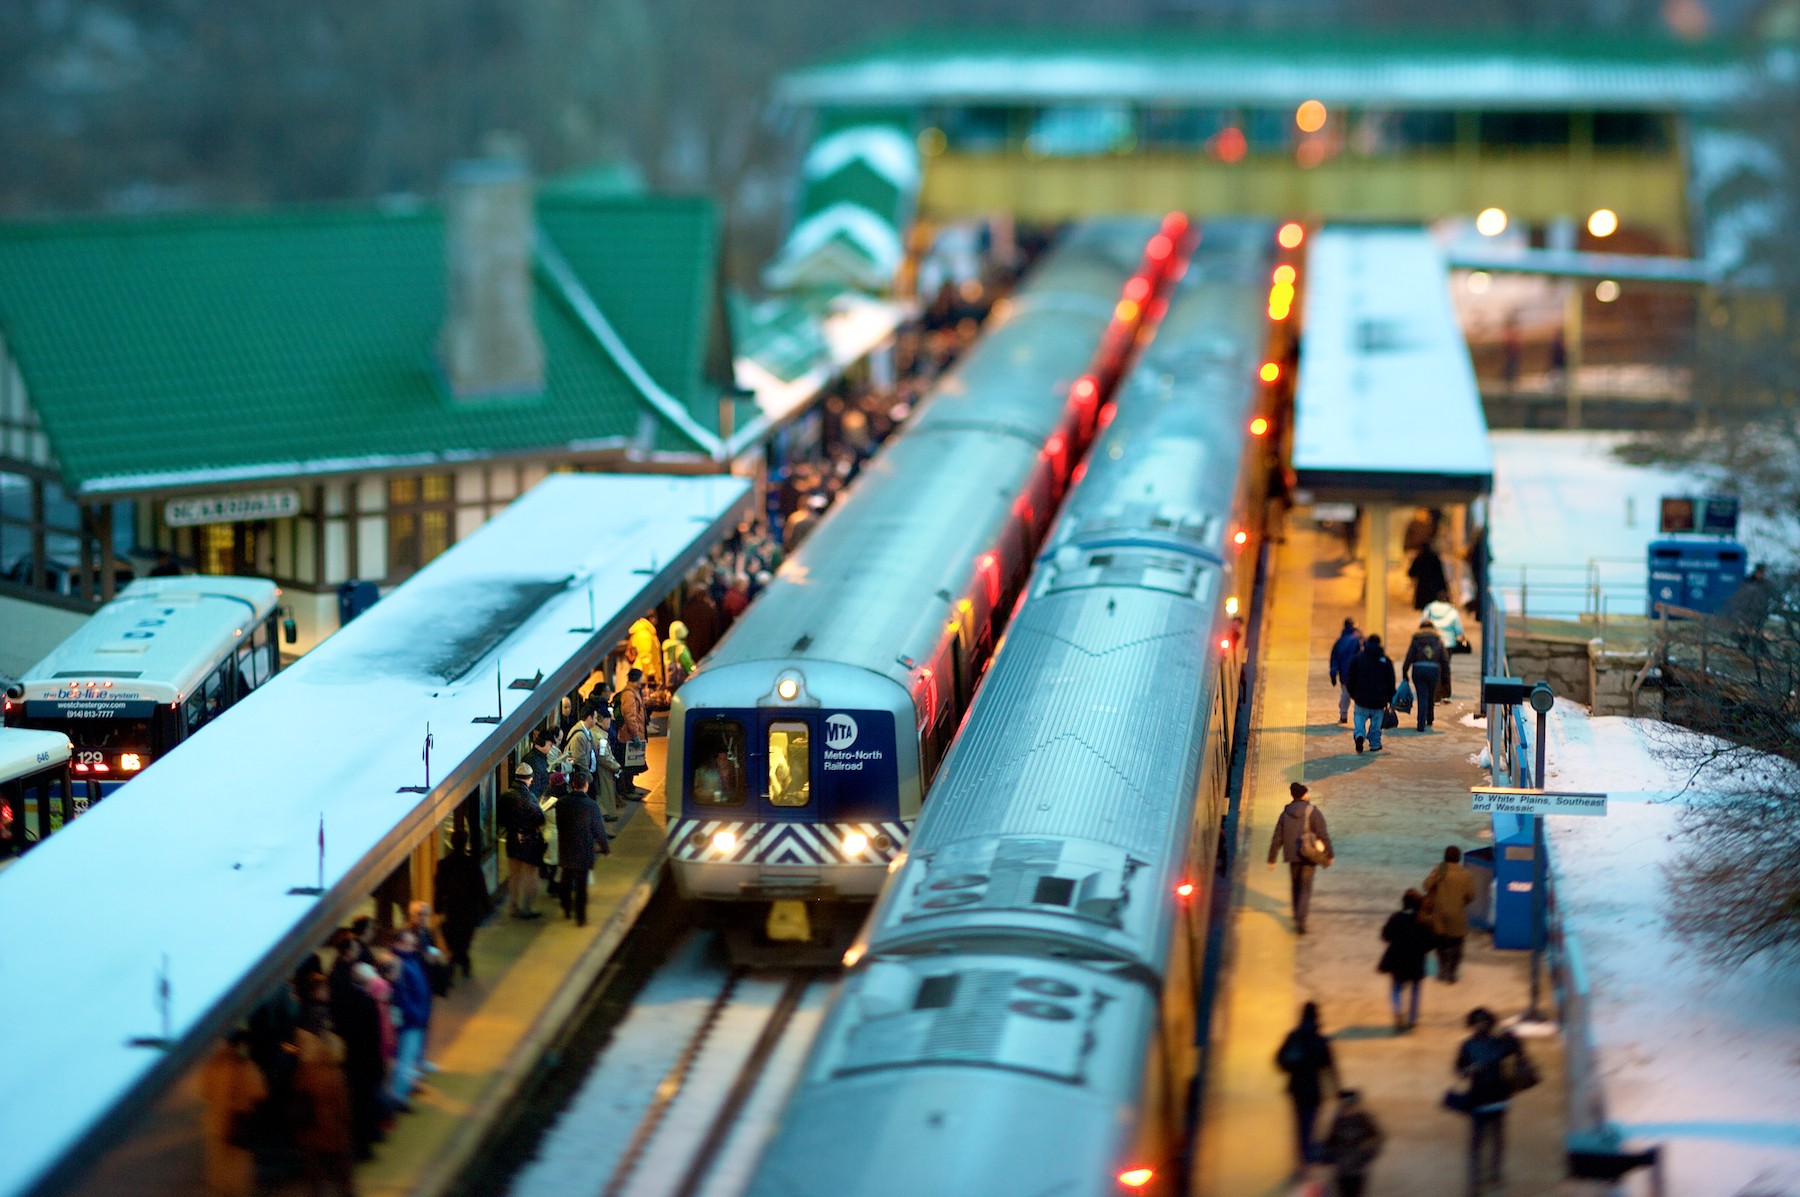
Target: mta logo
{"type": "Point", "coordinates": [840, 732]}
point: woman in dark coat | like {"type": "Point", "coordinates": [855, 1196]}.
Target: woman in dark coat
{"type": "Point", "coordinates": [1305, 1056]}
{"type": "Point", "coordinates": [462, 896]}
{"type": "Point", "coordinates": [1427, 574]}
{"type": "Point", "coordinates": [1409, 941]}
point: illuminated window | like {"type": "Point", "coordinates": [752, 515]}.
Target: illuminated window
{"type": "Point", "coordinates": [421, 512]}
{"type": "Point", "coordinates": [790, 764]}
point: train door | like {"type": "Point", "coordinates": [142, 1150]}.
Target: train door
{"type": "Point", "coordinates": [787, 748]}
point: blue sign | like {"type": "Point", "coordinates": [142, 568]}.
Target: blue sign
{"type": "Point", "coordinates": [1695, 575]}
{"type": "Point", "coordinates": [859, 768]}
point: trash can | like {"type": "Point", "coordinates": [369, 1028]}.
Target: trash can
{"type": "Point", "coordinates": [1515, 882]}
{"type": "Point", "coordinates": [1480, 863]}
{"type": "Point", "coordinates": [354, 598]}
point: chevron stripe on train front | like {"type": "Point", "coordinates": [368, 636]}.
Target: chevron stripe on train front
{"type": "Point", "coordinates": [805, 844]}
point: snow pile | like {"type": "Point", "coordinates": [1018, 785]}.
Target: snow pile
{"type": "Point", "coordinates": [1704, 1062]}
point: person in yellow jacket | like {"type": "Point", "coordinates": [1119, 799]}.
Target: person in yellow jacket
{"type": "Point", "coordinates": [646, 650]}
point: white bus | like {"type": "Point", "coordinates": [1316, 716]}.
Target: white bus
{"type": "Point", "coordinates": [149, 669]}
{"type": "Point", "coordinates": [36, 793]}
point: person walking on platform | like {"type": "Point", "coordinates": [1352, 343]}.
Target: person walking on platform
{"type": "Point", "coordinates": [1349, 643]}
{"type": "Point", "coordinates": [1370, 679]}
{"type": "Point", "coordinates": [1352, 1143]}
{"type": "Point", "coordinates": [1449, 892]}
{"type": "Point", "coordinates": [1303, 841]}
{"type": "Point", "coordinates": [412, 995]}
{"type": "Point", "coordinates": [231, 1088]}
{"type": "Point", "coordinates": [643, 648]}
{"type": "Point", "coordinates": [1485, 1061]}
{"type": "Point", "coordinates": [1426, 660]}
{"type": "Point", "coordinates": [1441, 613]}
{"type": "Point", "coordinates": [1427, 574]}
{"type": "Point", "coordinates": [463, 895]}
{"type": "Point", "coordinates": [1408, 941]}
{"type": "Point", "coordinates": [523, 821]}
{"type": "Point", "coordinates": [580, 833]}
{"type": "Point", "coordinates": [1306, 1057]}
{"type": "Point", "coordinates": [634, 717]}
{"type": "Point", "coordinates": [322, 1107]}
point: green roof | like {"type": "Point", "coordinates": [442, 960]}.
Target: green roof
{"type": "Point", "coordinates": [1226, 67]}
{"type": "Point", "coordinates": [783, 335]}
{"type": "Point", "coordinates": [254, 344]}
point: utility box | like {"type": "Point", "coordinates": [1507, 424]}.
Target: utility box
{"type": "Point", "coordinates": [354, 598]}
{"type": "Point", "coordinates": [1515, 882]}
{"type": "Point", "coordinates": [1700, 575]}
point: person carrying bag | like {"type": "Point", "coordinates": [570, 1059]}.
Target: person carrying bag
{"type": "Point", "coordinates": [1301, 839]}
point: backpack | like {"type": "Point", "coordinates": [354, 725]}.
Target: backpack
{"type": "Point", "coordinates": [618, 706]}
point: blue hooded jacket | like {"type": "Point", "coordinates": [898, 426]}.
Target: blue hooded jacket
{"type": "Point", "coordinates": [1347, 646]}
{"type": "Point", "coordinates": [412, 991]}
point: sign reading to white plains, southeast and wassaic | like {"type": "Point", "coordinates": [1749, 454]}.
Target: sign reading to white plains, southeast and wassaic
{"type": "Point", "coordinates": [230, 509]}
{"type": "Point", "coordinates": [1499, 800]}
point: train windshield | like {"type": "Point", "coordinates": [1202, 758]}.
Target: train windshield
{"type": "Point", "coordinates": [790, 763]}
{"type": "Point", "coordinates": [719, 768]}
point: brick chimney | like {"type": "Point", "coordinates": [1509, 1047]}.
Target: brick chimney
{"type": "Point", "coordinates": [490, 345]}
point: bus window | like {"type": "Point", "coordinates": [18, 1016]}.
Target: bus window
{"type": "Point", "coordinates": [790, 764]}
{"type": "Point", "coordinates": [718, 756]}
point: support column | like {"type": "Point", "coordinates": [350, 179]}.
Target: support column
{"type": "Point", "coordinates": [109, 561]}
{"type": "Point", "coordinates": [1572, 337]}
{"type": "Point", "coordinates": [1378, 518]}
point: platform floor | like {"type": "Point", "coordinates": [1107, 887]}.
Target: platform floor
{"type": "Point", "coordinates": [1390, 815]}
{"type": "Point", "coordinates": [487, 1035]}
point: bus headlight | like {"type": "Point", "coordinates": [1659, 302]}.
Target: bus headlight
{"type": "Point", "coordinates": [855, 844]}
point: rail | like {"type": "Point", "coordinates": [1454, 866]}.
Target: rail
{"type": "Point", "coordinates": [1587, 593]}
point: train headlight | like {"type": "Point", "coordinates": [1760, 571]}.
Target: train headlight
{"type": "Point", "coordinates": [855, 844]}
{"type": "Point", "coordinates": [724, 841]}
{"type": "Point", "coordinates": [788, 688]}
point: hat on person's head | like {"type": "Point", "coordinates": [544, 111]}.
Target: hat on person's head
{"type": "Point", "coordinates": [1349, 623]}
{"type": "Point", "coordinates": [1296, 789]}
{"type": "Point", "coordinates": [522, 770]}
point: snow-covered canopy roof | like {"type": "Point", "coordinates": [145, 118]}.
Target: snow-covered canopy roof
{"type": "Point", "coordinates": [193, 863]}
{"type": "Point", "coordinates": [1386, 405]}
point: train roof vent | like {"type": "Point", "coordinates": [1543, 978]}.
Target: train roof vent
{"type": "Point", "coordinates": [117, 673]}
{"type": "Point", "coordinates": [1148, 516]}
{"type": "Point", "coordinates": [1002, 1018]}
{"type": "Point", "coordinates": [1074, 569]}
{"type": "Point", "coordinates": [802, 644]}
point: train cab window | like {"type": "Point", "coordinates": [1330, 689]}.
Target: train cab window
{"type": "Point", "coordinates": [718, 756]}
{"type": "Point", "coordinates": [790, 764]}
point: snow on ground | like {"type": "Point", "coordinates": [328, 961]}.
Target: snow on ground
{"type": "Point", "coordinates": [1561, 499]}
{"type": "Point", "coordinates": [1705, 1062]}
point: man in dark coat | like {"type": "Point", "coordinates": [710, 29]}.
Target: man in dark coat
{"type": "Point", "coordinates": [1306, 1057]}
{"type": "Point", "coordinates": [523, 820]}
{"type": "Point", "coordinates": [1408, 941]}
{"type": "Point", "coordinates": [1298, 820]}
{"type": "Point", "coordinates": [580, 832]}
{"type": "Point", "coordinates": [1424, 666]}
{"type": "Point", "coordinates": [357, 1018]}
{"type": "Point", "coordinates": [1352, 1143]}
{"type": "Point", "coordinates": [1427, 573]}
{"type": "Point", "coordinates": [1349, 643]}
{"type": "Point", "coordinates": [1481, 1060]}
{"type": "Point", "coordinates": [1370, 680]}
{"type": "Point", "coordinates": [462, 896]}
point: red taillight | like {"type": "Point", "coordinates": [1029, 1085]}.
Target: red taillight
{"type": "Point", "coordinates": [1136, 1178]}
{"type": "Point", "coordinates": [1160, 247]}
{"type": "Point", "coordinates": [1291, 235]}
{"type": "Point", "coordinates": [1240, 538]}
{"type": "Point", "coordinates": [1138, 289]}
{"type": "Point", "coordinates": [1185, 890]}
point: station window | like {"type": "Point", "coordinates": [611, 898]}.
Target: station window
{"type": "Point", "coordinates": [1631, 131]}
{"type": "Point", "coordinates": [421, 513]}
{"type": "Point", "coordinates": [718, 756]}
{"type": "Point", "coordinates": [1518, 130]}
{"type": "Point", "coordinates": [790, 764]}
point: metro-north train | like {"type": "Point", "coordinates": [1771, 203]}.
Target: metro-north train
{"type": "Point", "coordinates": [801, 749]}
{"type": "Point", "coordinates": [1019, 1017]}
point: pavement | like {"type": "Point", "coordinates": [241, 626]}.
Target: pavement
{"type": "Point", "coordinates": [1390, 815]}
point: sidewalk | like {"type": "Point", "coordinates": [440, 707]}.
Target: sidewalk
{"type": "Point", "coordinates": [1390, 816]}
{"type": "Point", "coordinates": [487, 1035]}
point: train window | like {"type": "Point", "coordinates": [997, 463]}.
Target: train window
{"type": "Point", "coordinates": [790, 764]}
{"type": "Point", "coordinates": [936, 993]}
{"type": "Point", "coordinates": [719, 762]}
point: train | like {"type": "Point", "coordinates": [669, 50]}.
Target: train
{"type": "Point", "coordinates": [801, 749]}
{"type": "Point", "coordinates": [1019, 1013]}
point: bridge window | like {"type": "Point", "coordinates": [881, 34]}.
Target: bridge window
{"type": "Point", "coordinates": [1269, 130]}
{"type": "Point", "coordinates": [979, 129]}
{"type": "Point", "coordinates": [1080, 130]}
{"type": "Point", "coordinates": [1519, 130]}
{"type": "Point", "coordinates": [1631, 131]}
{"type": "Point", "coordinates": [1185, 128]}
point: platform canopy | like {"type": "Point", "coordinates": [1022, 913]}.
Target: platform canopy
{"type": "Point", "coordinates": [1386, 408]}
{"type": "Point", "coordinates": [190, 872]}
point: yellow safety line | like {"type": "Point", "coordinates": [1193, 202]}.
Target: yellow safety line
{"type": "Point", "coordinates": [1245, 1147]}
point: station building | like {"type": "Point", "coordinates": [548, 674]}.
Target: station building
{"type": "Point", "coordinates": [338, 394]}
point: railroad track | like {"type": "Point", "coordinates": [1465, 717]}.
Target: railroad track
{"type": "Point", "coordinates": [682, 1099]}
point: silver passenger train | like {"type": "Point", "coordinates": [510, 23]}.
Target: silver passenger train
{"type": "Point", "coordinates": [801, 749]}
{"type": "Point", "coordinates": [1020, 1014]}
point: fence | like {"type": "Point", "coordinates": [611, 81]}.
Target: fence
{"type": "Point", "coordinates": [1583, 593]}
{"type": "Point", "coordinates": [1511, 753]}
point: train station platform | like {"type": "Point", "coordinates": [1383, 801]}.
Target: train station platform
{"type": "Point", "coordinates": [490, 1034]}
{"type": "Point", "coordinates": [1390, 816]}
